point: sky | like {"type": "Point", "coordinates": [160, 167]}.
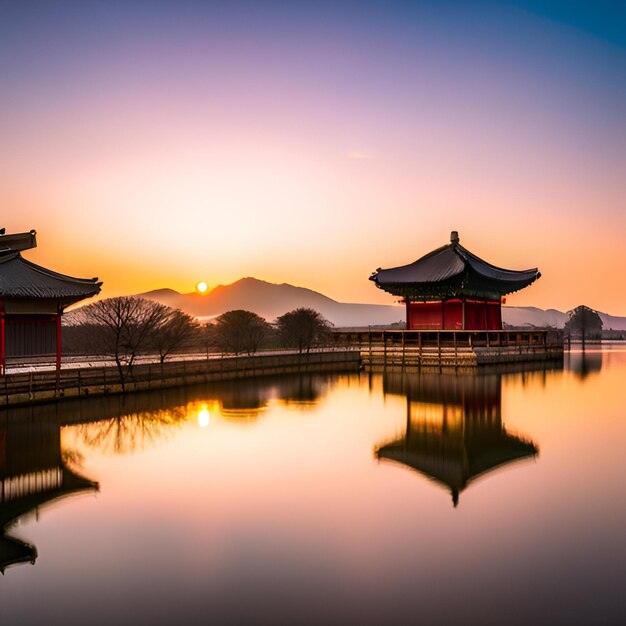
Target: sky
{"type": "Point", "coordinates": [158, 144]}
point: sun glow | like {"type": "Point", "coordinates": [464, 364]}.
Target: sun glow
{"type": "Point", "coordinates": [202, 287]}
{"type": "Point", "coordinates": [203, 416]}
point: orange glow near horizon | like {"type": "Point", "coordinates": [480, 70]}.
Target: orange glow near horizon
{"type": "Point", "coordinates": [307, 156]}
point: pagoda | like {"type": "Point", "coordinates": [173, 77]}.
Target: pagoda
{"type": "Point", "coordinates": [32, 301]}
{"type": "Point", "coordinates": [452, 289]}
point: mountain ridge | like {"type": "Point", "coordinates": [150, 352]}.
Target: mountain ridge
{"type": "Point", "coordinates": [270, 300]}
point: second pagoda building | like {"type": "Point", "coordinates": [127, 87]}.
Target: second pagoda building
{"type": "Point", "coordinates": [452, 289]}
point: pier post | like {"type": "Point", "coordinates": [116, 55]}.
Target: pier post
{"type": "Point", "coordinates": [419, 344]}
{"type": "Point", "coordinates": [384, 348]}
{"type": "Point", "coordinates": [456, 355]}
{"type": "Point", "coordinates": [2, 340]}
{"type": "Point", "coordinates": [439, 347]}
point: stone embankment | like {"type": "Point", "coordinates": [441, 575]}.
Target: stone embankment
{"type": "Point", "coordinates": [47, 386]}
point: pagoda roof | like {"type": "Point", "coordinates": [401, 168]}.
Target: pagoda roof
{"type": "Point", "coordinates": [14, 551]}
{"type": "Point", "coordinates": [23, 279]}
{"type": "Point", "coordinates": [454, 463]}
{"type": "Point", "coordinates": [452, 271]}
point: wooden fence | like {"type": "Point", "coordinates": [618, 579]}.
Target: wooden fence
{"type": "Point", "coordinates": [26, 388]}
{"type": "Point", "coordinates": [454, 348]}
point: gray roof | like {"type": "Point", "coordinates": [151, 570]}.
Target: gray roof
{"type": "Point", "coordinates": [452, 271]}
{"type": "Point", "coordinates": [22, 279]}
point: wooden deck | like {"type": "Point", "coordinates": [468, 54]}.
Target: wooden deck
{"type": "Point", "coordinates": [451, 348]}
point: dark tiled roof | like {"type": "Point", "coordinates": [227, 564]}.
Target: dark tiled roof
{"type": "Point", "coordinates": [452, 270]}
{"type": "Point", "coordinates": [20, 278]}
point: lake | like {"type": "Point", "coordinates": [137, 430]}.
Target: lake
{"type": "Point", "coordinates": [396, 497]}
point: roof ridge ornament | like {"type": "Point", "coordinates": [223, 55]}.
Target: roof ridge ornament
{"type": "Point", "coordinates": [454, 237]}
{"type": "Point", "coordinates": [16, 242]}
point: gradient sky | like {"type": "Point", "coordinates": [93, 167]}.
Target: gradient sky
{"type": "Point", "coordinates": [161, 143]}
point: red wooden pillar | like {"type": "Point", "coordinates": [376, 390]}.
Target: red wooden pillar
{"type": "Point", "coordinates": [485, 318]}
{"type": "Point", "coordinates": [463, 313]}
{"type": "Point", "coordinates": [58, 322]}
{"type": "Point", "coordinates": [408, 325]}
{"type": "Point", "coordinates": [3, 341]}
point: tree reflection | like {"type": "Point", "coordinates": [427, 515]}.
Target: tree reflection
{"type": "Point", "coordinates": [246, 401]}
{"type": "Point", "coordinates": [243, 401]}
{"type": "Point", "coordinates": [133, 432]}
{"type": "Point", "coordinates": [583, 363]}
{"type": "Point", "coordinates": [302, 392]}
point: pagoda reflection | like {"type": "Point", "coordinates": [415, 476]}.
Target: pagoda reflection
{"type": "Point", "coordinates": [34, 472]}
{"type": "Point", "coordinates": [454, 430]}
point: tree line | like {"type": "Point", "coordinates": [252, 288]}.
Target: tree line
{"type": "Point", "coordinates": [125, 328]}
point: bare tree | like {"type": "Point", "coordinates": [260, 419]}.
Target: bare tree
{"type": "Point", "coordinates": [175, 330]}
{"type": "Point", "coordinates": [241, 331]}
{"type": "Point", "coordinates": [302, 329]}
{"type": "Point", "coordinates": [122, 328]}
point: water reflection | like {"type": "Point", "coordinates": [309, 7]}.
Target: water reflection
{"type": "Point", "coordinates": [34, 471]}
{"type": "Point", "coordinates": [584, 362]}
{"type": "Point", "coordinates": [131, 432]}
{"type": "Point", "coordinates": [37, 470]}
{"type": "Point", "coordinates": [454, 429]}
{"type": "Point", "coordinates": [290, 504]}
{"type": "Point", "coordinates": [247, 401]}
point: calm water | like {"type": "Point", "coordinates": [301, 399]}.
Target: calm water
{"type": "Point", "coordinates": [397, 498]}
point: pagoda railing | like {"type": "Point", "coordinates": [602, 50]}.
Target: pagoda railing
{"type": "Point", "coordinates": [450, 347]}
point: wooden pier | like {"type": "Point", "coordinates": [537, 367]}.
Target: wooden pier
{"type": "Point", "coordinates": [451, 348]}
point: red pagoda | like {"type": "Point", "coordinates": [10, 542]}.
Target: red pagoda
{"type": "Point", "coordinates": [32, 300]}
{"type": "Point", "coordinates": [452, 289]}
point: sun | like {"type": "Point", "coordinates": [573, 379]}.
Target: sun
{"type": "Point", "coordinates": [202, 287]}
{"type": "Point", "coordinates": [204, 416]}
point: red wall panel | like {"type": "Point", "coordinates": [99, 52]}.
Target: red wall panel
{"type": "Point", "coordinates": [424, 316]}
{"type": "Point", "coordinates": [494, 316]}
{"type": "Point", "coordinates": [479, 315]}
{"type": "Point", "coordinates": [453, 315]}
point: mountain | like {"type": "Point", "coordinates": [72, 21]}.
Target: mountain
{"type": "Point", "coordinates": [532, 316]}
{"type": "Point", "coordinates": [271, 300]}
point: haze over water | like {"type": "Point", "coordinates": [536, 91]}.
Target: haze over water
{"type": "Point", "coordinates": [331, 499]}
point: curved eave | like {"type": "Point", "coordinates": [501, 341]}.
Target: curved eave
{"type": "Point", "coordinates": [438, 266]}
{"type": "Point", "coordinates": [14, 551]}
{"type": "Point", "coordinates": [491, 271]}
{"type": "Point", "coordinates": [452, 272]}
{"type": "Point", "coordinates": [456, 468]}
{"type": "Point", "coordinates": [435, 291]}
{"type": "Point", "coordinates": [22, 279]}
{"type": "Point", "coordinates": [73, 484]}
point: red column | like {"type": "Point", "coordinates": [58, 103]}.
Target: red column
{"type": "Point", "coordinates": [486, 320]}
{"type": "Point", "coordinates": [2, 340]}
{"type": "Point", "coordinates": [58, 321]}
{"type": "Point", "coordinates": [463, 313]}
